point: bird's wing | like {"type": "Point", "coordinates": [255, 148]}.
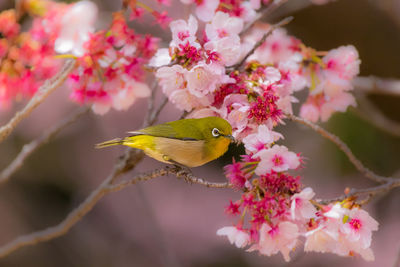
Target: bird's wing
{"type": "Point", "coordinates": [162, 130]}
{"type": "Point", "coordinates": [181, 130]}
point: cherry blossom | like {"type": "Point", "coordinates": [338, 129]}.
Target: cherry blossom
{"type": "Point", "coordinates": [203, 78]}
{"type": "Point", "coordinates": [204, 9]}
{"type": "Point", "coordinates": [261, 140]}
{"type": "Point", "coordinates": [280, 238]}
{"type": "Point", "coordinates": [76, 25]}
{"type": "Point", "coordinates": [235, 109]}
{"type": "Point", "coordinates": [359, 227]}
{"type": "Point", "coordinates": [277, 158]}
{"type": "Point", "coordinates": [223, 25]}
{"type": "Point", "coordinates": [235, 236]}
{"type": "Point", "coordinates": [343, 231]}
{"type": "Point", "coordinates": [183, 32]}
{"type": "Point", "coordinates": [301, 207]}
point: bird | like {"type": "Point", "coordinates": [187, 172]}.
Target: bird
{"type": "Point", "coordinates": [185, 142]}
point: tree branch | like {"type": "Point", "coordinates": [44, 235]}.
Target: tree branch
{"type": "Point", "coordinates": [154, 115]}
{"type": "Point", "coordinates": [263, 13]}
{"type": "Point", "coordinates": [396, 262]}
{"type": "Point", "coordinates": [370, 191]}
{"type": "Point", "coordinates": [28, 149]}
{"type": "Point", "coordinates": [342, 146]}
{"type": "Point", "coordinates": [377, 85]}
{"type": "Point", "coordinates": [103, 189]}
{"type": "Point", "coordinates": [261, 41]}
{"type": "Point", "coordinates": [43, 92]}
{"type": "Point", "coordinates": [370, 113]}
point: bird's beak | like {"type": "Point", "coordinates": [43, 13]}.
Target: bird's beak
{"type": "Point", "coordinates": [230, 137]}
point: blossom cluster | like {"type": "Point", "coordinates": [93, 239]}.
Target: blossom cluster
{"type": "Point", "coordinates": [110, 63]}
{"type": "Point", "coordinates": [110, 72]}
{"type": "Point", "coordinates": [275, 213]}
{"type": "Point", "coordinates": [27, 57]}
{"type": "Point", "coordinates": [203, 73]}
{"type": "Point", "coordinates": [280, 216]}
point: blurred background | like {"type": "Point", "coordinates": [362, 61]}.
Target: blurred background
{"type": "Point", "coordinates": [166, 222]}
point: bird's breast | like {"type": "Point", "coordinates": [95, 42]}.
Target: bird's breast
{"type": "Point", "coordinates": [189, 153]}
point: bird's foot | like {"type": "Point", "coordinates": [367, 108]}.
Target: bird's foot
{"type": "Point", "coordinates": [182, 171]}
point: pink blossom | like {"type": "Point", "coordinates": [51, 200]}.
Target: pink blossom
{"type": "Point", "coordinates": [280, 238]}
{"type": "Point", "coordinates": [171, 78]}
{"type": "Point", "coordinates": [161, 58]}
{"type": "Point", "coordinates": [136, 13]}
{"type": "Point", "coordinates": [341, 65]}
{"type": "Point", "coordinates": [322, 239]}
{"type": "Point", "coordinates": [301, 207]}
{"type": "Point", "coordinates": [228, 49]}
{"type": "Point", "coordinates": [9, 26]}
{"type": "Point", "coordinates": [255, 4]}
{"type": "Point", "coordinates": [343, 232]}
{"type": "Point", "coordinates": [340, 102]}
{"type": "Point", "coordinates": [323, 106]}
{"type": "Point", "coordinates": [277, 47]}
{"type": "Point", "coordinates": [126, 96]}
{"type": "Point", "coordinates": [260, 140]}
{"type": "Point", "coordinates": [164, 2]}
{"type": "Point", "coordinates": [184, 100]}
{"type": "Point", "coordinates": [183, 32]}
{"type": "Point", "coordinates": [235, 110]}
{"type": "Point", "coordinates": [205, 9]}
{"type": "Point", "coordinates": [76, 25]}
{"type": "Point", "coordinates": [335, 211]}
{"type": "Point", "coordinates": [285, 103]}
{"type": "Point", "coordinates": [277, 158]}
{"type": "Point", "coordinates": [204, 112]}
{"type": "Point", "coordinates": [162, 18]}
{"type": "Point", "coordinates": [203, 78]}
{"type": "Point", "coordinates": [248, 13]}
{"type": "Point", "coordinates": [235, 236]}
{"type": "Point", "coordinates": [309, 111]}
{"type": "Point", "coordinates": [359, 227]}
{"type": "Point", "coordinates": [272, 75]}
{"type": "Point", "coordinates": [235, 174]}
{"type": "Point", "coordinates": [223, 25]}
{"type": "Point", "coordinates": [293, 78]}
{"type": "Point", "coordinates": [264, 108]}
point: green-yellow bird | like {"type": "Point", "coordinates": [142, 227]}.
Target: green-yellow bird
{"type": "Point", "coordinates": [188, 142]}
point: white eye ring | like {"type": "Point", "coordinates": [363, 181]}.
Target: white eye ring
{"type": "Point", "coordinates": [215, 132]}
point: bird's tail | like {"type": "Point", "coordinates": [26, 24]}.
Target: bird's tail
{"type": "Point", "coordinates": [117, 141]}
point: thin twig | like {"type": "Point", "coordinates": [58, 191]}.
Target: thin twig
{"type": "Point", "coordinates": [370, 113]}
{"type": "Point", "coordinates": [377, 85]}
{"type": "Point", "coordinates": [263, 13]}
{"type": "Point", "coordinates": [103, 189]}
{"type": "Point", "coordinates": [28, 149]}
{"type": "Point", "coordinates": [190, 178]}
{"type": "Point", "coordinates": [261, 41]}
{"type": "Point", "coordinates": [370, 191]}
{"type": "Point", "coordinates": [396, 262]}
{"type": "Point", "coordinates": [156, 113]}
{"type": "Point", "coordinates": [43, 92]}
{"type": "Point", "coordinates": [342, 146]}
{"type": "Point", "coordinates": [150, 106]}
{"type": "Point", "coordinates": [178, 172]}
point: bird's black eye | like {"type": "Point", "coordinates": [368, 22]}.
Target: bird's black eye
{"type": "Point", "coordinates": [215, 132]}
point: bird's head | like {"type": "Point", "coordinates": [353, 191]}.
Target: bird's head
{"type": "Point", "coordinates": [216, 128]}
